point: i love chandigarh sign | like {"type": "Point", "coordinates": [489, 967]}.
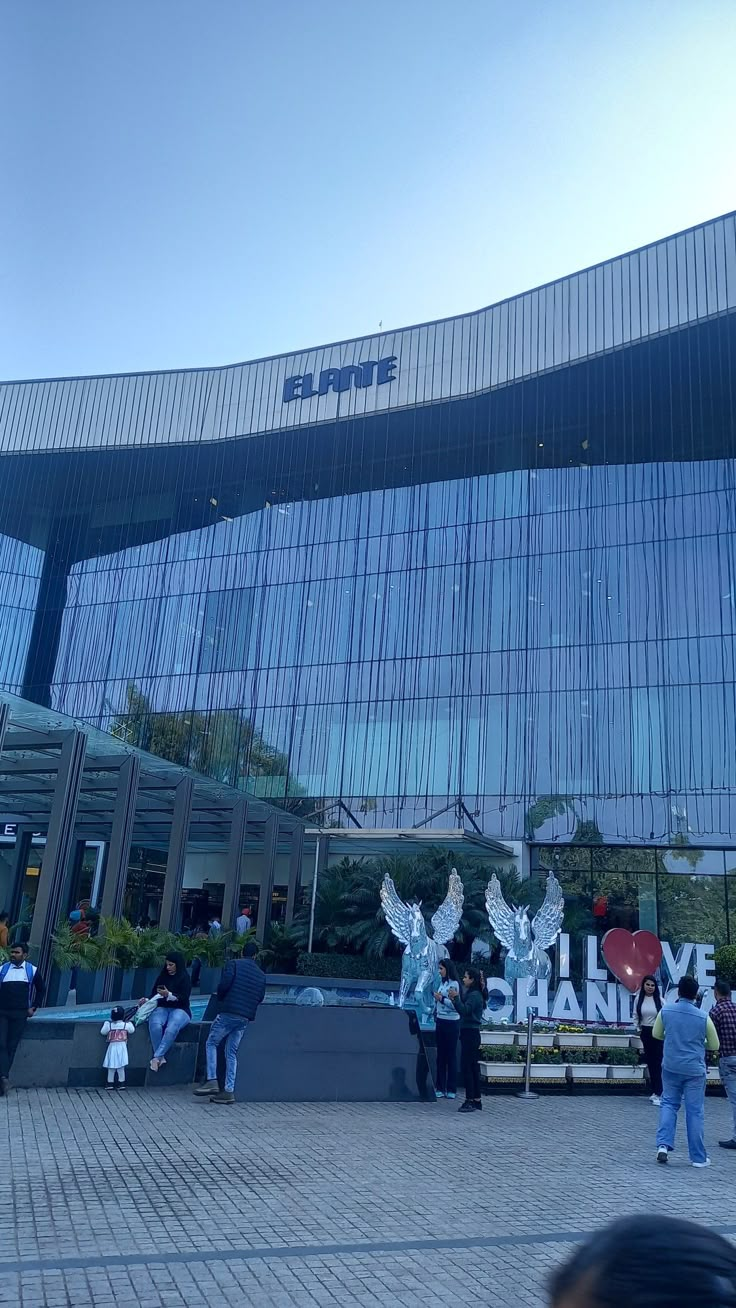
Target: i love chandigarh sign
{"type": "Point", "coordinates": [628, 957]}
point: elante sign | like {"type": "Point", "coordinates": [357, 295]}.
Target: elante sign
{"type": "Point", "coordinates": [302, 387]}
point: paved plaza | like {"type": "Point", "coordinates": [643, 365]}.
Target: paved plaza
{"type": "Point", "coordinates": [152, 1198]}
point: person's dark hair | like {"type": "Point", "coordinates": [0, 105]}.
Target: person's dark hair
{"type": "Point", "coordinates": [649, 1261]}
{"type": "Point", "coordinates": [474, 975]}
{"type": "Point", "coordinates": [687, 987]}
{"type": "Point", "coordinates": [117, 1015]}
{"type": "Point", "coordinates": [174, 956]}
{"type": "Point", "coordinates": [656, 996]}
{"type": "Point", "coordinates": [450, 969]}
{"type": "Point", "coordinates": [250, 949]}
{"type": "Point", "coordinates": [722, 988]}
{"type": "Point", "coordinates": [20, 944]}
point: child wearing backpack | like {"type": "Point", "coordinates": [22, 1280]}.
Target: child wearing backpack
{"type": "Point", "coordinates": [117, 1031]}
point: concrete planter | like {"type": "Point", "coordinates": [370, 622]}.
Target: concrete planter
{"type": "Point", "coordinates": [89, 987]}
{"type": "Point", "coordinates": [143, 981]}
{"type": "Point", "coordinates": [209, 979]}
{"type": "Point", "coordinates": [582, 1041]}
{"type": "Point", "coordinates": [713, 1076]}
{"type": "Point", "coordinates": [494, 1037]}
{"type": "Point", "coordinates": [588, 1072]}
{"type": "Point", "coordinates": [502, 1071]}
{"type": "Point", "coordinates": [625, 1073]}
{"type": "Point", "coordinates": [548, 1072]}
{"type": "Point", "coordinates": [612, 1042]}
{"type": "Point", "coordinates": [540, 1039]}
{"type": "Point", "coordinates": [57, 992]}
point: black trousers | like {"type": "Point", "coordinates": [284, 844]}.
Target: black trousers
{"type": "Point", "coordinates": [469, 1050]}
{"type": "Point", "coordinates": [447, 1034]}
{"type": "Point", "coordinates": [12, 1026]}
{"type": "Point", "coordinates": [653, 1051]}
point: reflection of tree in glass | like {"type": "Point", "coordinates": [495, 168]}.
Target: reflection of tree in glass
{"type": "Point", "coordinates": [222, 744]}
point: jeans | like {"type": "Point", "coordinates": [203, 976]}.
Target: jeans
{"type": "Point", "coordinates": [231, 1030]}
{"type": "Point", "coordinates": [469, 1050]}
{"type": "Point", "coordinates": [727, 1068]}
{"type": "Point", "coordinates": [12, 1026]}
{"type": "Point", "coordinates": [164, 1025]}
{"type": "Point", "coordinates": [653, 1050]}
{"type": "Point", "coordinates": [447, 1033]}
{"type": "Point", "coordinates": [691, 1089]}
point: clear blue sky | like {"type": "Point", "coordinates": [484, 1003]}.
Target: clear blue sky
{"type": "Point", "coordinates": [192, 182]}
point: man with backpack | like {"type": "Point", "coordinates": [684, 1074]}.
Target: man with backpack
{"type": "Point", "coordinates": [242, 988]}
{"type": "Point", "coordinates": [21, 991]}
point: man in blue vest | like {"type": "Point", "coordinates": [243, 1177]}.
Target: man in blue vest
{"type": "Point", "coordinates": [687, 1032]}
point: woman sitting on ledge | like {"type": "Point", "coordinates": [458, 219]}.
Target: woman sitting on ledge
{"type": "Point", "coordinates": [172, 1013]}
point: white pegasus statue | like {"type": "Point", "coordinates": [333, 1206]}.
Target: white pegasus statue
{"type": "Point", "coordinates": [525, 942]}
{"type": "Point", "coordinates": [420, 964]}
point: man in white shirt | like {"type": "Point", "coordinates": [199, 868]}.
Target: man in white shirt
{"type": "Point", "coordinates": [243, 923]}
{"type": "Point", "coordinates": [21, 990]}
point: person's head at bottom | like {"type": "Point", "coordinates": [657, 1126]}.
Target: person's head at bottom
{"type": "Point", "coordinates": [250, 950]}
{"type": "Point", "coordinates": [648, 1262]}
{"type": "Point", "coordinates": [18, 953]}
{"type": "Point", "coordinates": [687, 988]}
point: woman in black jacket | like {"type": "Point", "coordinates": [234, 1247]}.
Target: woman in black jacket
{"type": "Point", "coordinates": [172, 1014]}
{"type": "Point", "coordinates": [470, 1008]}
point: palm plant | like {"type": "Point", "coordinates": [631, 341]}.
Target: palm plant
{"type": "Point", "coordinates": [71, 950]}
{"type": "Point", "coordinates": [116, 944]}
{"type": "Point", "coordinates": [332, 924]}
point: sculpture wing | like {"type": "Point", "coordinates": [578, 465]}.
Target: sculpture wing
{"type": "Point", "coordinates": [547, 923]}
{"type": "Point", "coordinates": [446, 920]}
{"type": "Point", "coordinates": [499, 914]}
{"type": "Point", "coordinates": [395, 910]}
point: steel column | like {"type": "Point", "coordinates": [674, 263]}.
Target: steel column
{"type": "Point", "coordinates": [235, 856]}
{"type": "Point", "coordinates": [4, 720]}
{"type": "Point", "coordinates": [121, 835]}
{"type": "Point", "coordinates": [265, 901]}
{"type": "Point", "coordinates": [176, 859]}
{"type": "Point", "coordinates": [295, 869]}
{"type": "Point", "coordinates": [53, 881]}
{"type": "Point", "coordinates": [21, 853]}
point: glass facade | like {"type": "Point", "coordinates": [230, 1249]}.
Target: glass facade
{"type": "Point", "coordinates": [524, 597]}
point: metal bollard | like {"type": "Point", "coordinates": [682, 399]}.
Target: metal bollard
{"type": "Point", "coordinates": [526, 1093]}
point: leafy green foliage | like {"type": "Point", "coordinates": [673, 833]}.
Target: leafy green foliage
{"type": "Point", "coordinates": [502, 1054]}
{"type": "Point", "coordinates": [69, 949]}
{"type": "Point", "coordinates": [356, 966]}
{"type": "Point", "coordinates": [621, 1057]}
{"type": "Point", "coordinates": [585, 1056]}
{"type": "Point", "coordinates": [725, 961]}
{"type": "Point", "coordinates": [280, 952]}
{"type": "Point", "coordinates": [348, 913]}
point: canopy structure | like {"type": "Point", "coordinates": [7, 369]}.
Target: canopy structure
{"type": "Point", "coordinates": [69, 783]}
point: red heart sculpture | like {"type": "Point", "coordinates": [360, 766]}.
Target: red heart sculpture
{"type": "Point", "coordinates": [631, 957]}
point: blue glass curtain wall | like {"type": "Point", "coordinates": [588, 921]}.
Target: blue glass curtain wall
{"type": "Point", "coordinates": [528, 599]}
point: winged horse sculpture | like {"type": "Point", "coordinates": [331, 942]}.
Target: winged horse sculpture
{"type": "Point", "coordinates": [420, 963]}
{"type": "Point", "coordinates": [525, 942]}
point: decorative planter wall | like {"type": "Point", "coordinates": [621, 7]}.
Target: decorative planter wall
{"type": "Point", "coordinates": [582, 1041]}
{"type": "Point", "coordinates": [588, 1071]}
{"type": "Point", "coordinates": [625, 1073]}
{"type": "Point", "coordinates": [548, 1071]}
{"type": "Point", "coordinates": [540, 1039]}
{"type": "Point", "coordinates": [502, 1071]}
{"type": "Point", "coordinates": [612, 1041]}
{"type": "Point", "coordinates": [495, 1037]}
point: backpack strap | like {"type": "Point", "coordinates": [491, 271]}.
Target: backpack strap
{"type": "Point", "coordinates": [4, 971]}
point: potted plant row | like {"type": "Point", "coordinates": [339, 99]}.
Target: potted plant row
{"type": "Point", "coordinates": [506, 1062]}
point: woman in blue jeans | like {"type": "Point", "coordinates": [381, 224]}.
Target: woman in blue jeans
{"type": "Point", "coordinates": [172, 1014]}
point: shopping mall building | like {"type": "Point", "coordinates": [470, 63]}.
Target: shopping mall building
{"type": "Point", "coordinates": [472, 581]}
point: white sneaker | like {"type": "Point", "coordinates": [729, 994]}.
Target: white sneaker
{"type": "Point", "coordinates": [662, 1154]}
{"type": "Point", "coordinates": [707, 1163]}
{"type": "Point", "coordinates": [655, 1099]}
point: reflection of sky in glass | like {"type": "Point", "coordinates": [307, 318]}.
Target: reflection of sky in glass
{"type": "Point", "coordinates": [559, 631]}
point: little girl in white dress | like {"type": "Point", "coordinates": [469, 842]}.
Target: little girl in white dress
{"type": "Point", "coordinates": [117, 1031]}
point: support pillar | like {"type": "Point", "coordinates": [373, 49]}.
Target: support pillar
{"type": "Point", "coordinates": [265, 902]}
{"type": "Point", "coordinates": [121, 835]}
{"type": "Point", "coordinates": [176, 859]}
{"type": "Point", "coordinates": [66, 536]}
{"type": "Point", "coordinates": [235, 857]}
{"type": "Point", "coordinates": [295, 871]}
{"type": "Point", "coordinates": [21, 854]}
{"type": "Point", "coordinates": [53, 885]}
{"type": "Point", "coordinates": [4, 720]}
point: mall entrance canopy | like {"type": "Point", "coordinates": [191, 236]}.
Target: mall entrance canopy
{"type": "Point", "coordinates": [67, 782]}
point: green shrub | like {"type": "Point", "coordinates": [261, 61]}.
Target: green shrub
{"type": "Point", "coordinates": [584, 1055]}
{"type": "Point", "coordinates": [546, 1056]}
{"type": "Point", "coordinates": [355, 966]}
{"type": "Point", "coordinates": [621, 1057]}
{"type": "Point", "coordinates": [501, 1054]}
{"type": "Point", "coordinates": [725, 962]}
